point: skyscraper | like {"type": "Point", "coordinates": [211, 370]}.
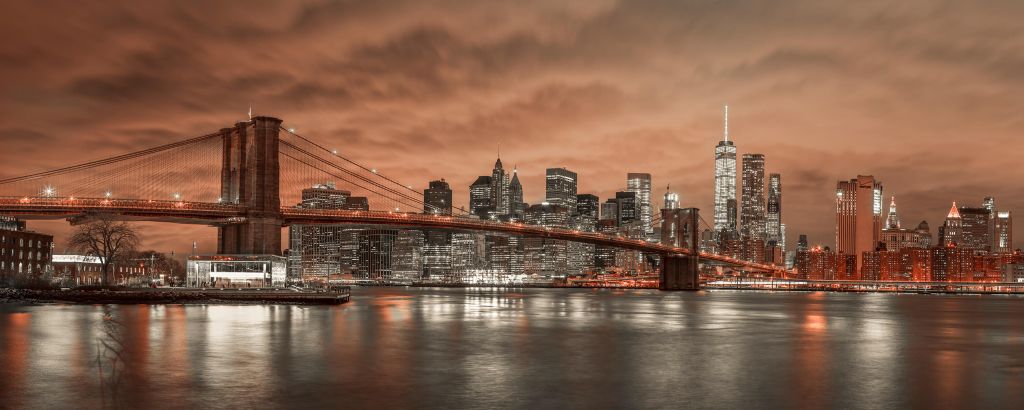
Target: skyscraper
{"type": "Point", "coordinates": [893, 220]}
{"type": "Point", "coordinates": [587, 209]}
{"type": "Point", "coordinates": [752, 202]}
{"type": "Point", "coordinates": [773, 224]}
{"type": "Point", "coordinates": [480, 197]}
{"type": "Point", "coordinates": [895, 238]}
{"type": "Point", "coordinates": [610, 211]}
{"type": "Point", "coordinates": [952, 231]}
{"type": "Point", "coordinates": [671, 199]}
{"type": "Point", "coordinates": [437, 198]}
{"type": "Point", "coordinates": [640, 183]}
{"type": "Point", "coordinates": [1003, 233]}
{"type": "Point", "coordinates": [517, 207]}
{"type": "Point", "coordinates": [858, 217]}
{"type": "Point", "coordinates": [725, 181]}
{"type": "Point", "coordinates": [314, 250]}
{"type": "Point", "coordinates": [627, 208]}
{"type": "Point", "coordinates": [976, 228]}
{"type": "Point", "coordinates": [437, 245]}
{"type": "Point", "coordinates": [499, 190]}
{"type": "Point", "coordinates": [560, 186]}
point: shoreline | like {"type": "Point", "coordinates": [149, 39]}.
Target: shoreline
{"type": "Point", "coordinates": [146, 296]}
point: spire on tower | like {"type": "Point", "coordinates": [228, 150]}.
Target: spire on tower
{"type": "Point", "coordinates": [893, 221]}
{"type": "Point", "coordinates": [250, 110]}
{"type": "Point", "coordinates": [953, 212]}
{"type": "Point", "coordinates": [727, 122]}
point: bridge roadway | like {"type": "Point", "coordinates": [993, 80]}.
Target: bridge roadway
{"type": "Point", "coordinates": [218, 214]}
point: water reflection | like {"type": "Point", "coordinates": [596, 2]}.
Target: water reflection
{"type": "Point", "coordinates": [486, 348]}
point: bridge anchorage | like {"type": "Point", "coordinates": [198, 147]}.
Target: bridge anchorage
{"type": "Point", "coordinates": [237, 178]}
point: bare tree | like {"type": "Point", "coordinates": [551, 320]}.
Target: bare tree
{"type": "Point", "coordinates": [106, 238]}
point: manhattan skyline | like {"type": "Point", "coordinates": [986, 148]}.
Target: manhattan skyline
{"type": "Point", "coordinates": [431, 97]}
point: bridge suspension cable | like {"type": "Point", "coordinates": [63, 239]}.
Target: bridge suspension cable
{"type": "Point", "coordinates": [370, 180]}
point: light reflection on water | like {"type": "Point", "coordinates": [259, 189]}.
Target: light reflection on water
{"type": "Point", "coordinates": [488, 348]}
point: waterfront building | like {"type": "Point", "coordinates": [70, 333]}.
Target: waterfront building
{"type": "Point", "coordinates": [952, 263]}
{"type": "Point", "coordinates": [407, 256]}
{"type": "Point", "coordinates": [858, 217]}
{"type": "Point", "coordinates": [1013, 273]}
{"type": "Point", "coordinates": [881, 264]}
{"type": "Point", "coordinates": [314, 250]}
{"type": "Point", "coordinates": [916, 264]}
{"type": "Point", "coordinates": [976, 228]}
{"type": "Point", "coordinates": [560, 187]}
{"type": "Point", "coordinates": [542, 257]}
{"type": "Point", "coordinates": [725, 181]}
{"type": "Point", "coordinates": [752, 201]}
{"type": "Point", "coordinates": [437, 254]}
{"type": "Point", "coordinates": [235, 271]}
{"type": "Point", "coordinates": [23, 252]}
{"type": "Point", "coordinates": [816, 263]}
{"type": "Point", "coordinates": [376, 252]}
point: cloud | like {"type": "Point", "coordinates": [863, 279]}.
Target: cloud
{"type": "Point", "coordinates": [924, 95]}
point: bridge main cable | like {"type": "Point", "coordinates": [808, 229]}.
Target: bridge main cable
{"type": "Point", "coordinates": [405, 187]}
{"type": "Point", "coordinates": [111, 160]}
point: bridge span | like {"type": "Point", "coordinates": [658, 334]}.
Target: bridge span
{"type": "Point", "coordinates": [248, 182]}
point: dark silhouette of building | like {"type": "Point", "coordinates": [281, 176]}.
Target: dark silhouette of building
{"type": "Point", "coordinates": [437, 198]}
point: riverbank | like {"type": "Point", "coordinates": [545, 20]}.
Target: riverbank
{"type": "Point", "coordinates": [176, 296]}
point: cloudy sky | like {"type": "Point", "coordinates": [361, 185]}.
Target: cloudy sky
{"type": "Point", "coordinates": [925, 95]}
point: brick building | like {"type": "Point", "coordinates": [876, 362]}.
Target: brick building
{"type": "Point", "coordinates": [23, 252]}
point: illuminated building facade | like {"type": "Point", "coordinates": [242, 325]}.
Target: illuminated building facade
{"type": "Point", "coordinates": [480, 197]}
{"type": "Point", "coordinates": [499, 190]}
{"type": "Point", "coordinates": [773, 220]}
{"type": "Point", "coordinates": [314, 251]}
{"type": "Point", "coordinates": [725, 181]}
{"type": "Point", "coordinates": [545, 257]}
{"type": "Point", "coordinates": [952, 231]}
{"type": "Point", "coordinates": [752, 201]}
{"type": "Point", "coordinates": [671, 200]}
{"type": "Point", "coordinates": [1002, 235]}
{"type": "Point", "coordinates": [640, 184]}
{"type": "Point", "coordinates": [560, 187]}
{"type": "Point", "coordinates": [515, 195]}
{"type": "Point", "coordinates": [237, 271]}
{"type": "Point", "coordinates": [858, 217]}
{"type": "Point", "coordinates": [975, 228]}
{"type": "Point", "coordinates": [627, 210]}
{"type": "Point", "coordinates": [23, 252]}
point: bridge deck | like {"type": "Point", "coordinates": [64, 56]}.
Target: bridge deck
{"type": "Point", "coordinates": [217, 213]}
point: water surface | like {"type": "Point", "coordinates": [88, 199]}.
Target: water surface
{"type": "Point", "coordinates": [517, 348]}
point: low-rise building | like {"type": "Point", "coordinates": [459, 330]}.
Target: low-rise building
{"type": "Point", "coordinates": [236, 271]}
{"type": "Point", "coordinates": [23, 252]}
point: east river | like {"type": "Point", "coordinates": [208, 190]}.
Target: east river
{"type": "Point", "coordinates": [523, 348]}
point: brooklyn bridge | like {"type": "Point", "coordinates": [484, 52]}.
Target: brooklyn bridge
{"type": "Point", "coordinates": [238, 178]}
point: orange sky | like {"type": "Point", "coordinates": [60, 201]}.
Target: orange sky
{"type": "Point", "coordinates": [924, 95]}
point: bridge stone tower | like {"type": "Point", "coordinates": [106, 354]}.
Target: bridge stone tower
{"type": "Point", "coordinates": [680, 227]}
{"type": "Point", "coordinates": [250, 177]}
